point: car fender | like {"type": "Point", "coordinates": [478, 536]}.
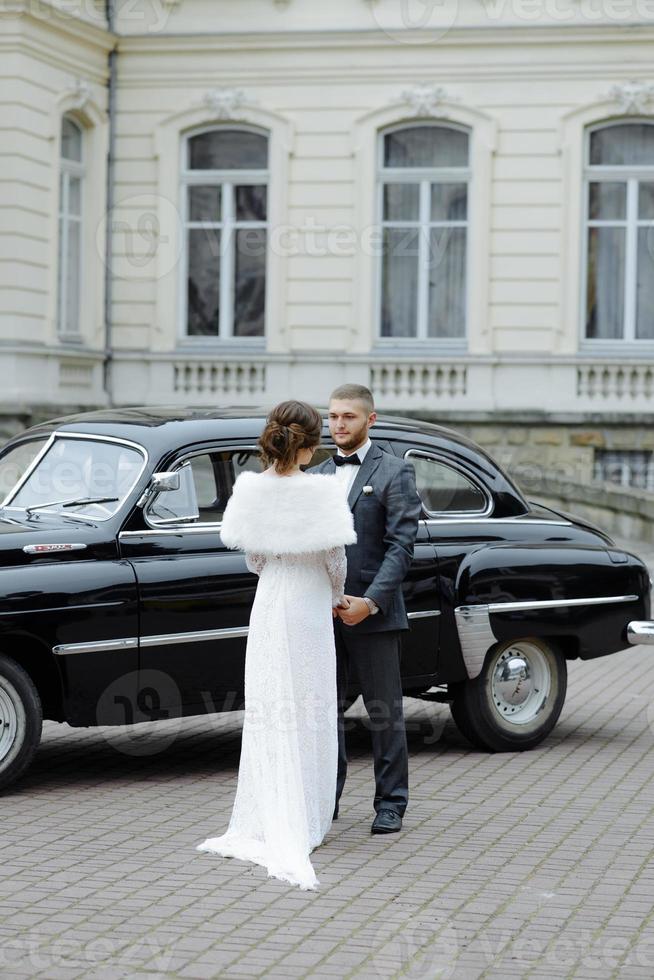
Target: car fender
{"type": "Point", "coordinates": [509, 591]}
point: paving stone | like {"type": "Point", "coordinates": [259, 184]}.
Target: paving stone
{"type": "Point", "coordinates": [509, 865]}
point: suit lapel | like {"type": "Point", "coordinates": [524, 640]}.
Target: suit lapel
{"type": "Point", "coordinates": [364, 472]}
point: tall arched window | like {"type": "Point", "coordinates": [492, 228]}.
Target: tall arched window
{"type": "Point", "coordinates": [423, 178]}
{"type": "Point", "coordinates": [619, 194]}
{"type": "Point", "coordinates": [71, 184]}
{"type": "Point", "coordinates": [225, 184]}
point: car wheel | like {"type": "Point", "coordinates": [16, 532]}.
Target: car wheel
{"type": "Point", "coordinates": [517, 698]}
{"type": "Point", "coordinates": [21, 720]}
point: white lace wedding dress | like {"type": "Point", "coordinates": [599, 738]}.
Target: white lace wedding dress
{"type": "Point", "coordinates": [287, 773]}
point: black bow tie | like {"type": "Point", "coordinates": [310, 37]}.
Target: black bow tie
{"type": "Point", "coordinates": [353, 460]}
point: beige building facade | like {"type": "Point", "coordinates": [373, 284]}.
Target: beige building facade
{"type": "Point", "coordinates": [236, 202]}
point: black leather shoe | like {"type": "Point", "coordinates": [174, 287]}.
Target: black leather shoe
{"type": "Point", "coordinates": [386, 822]}
{"type": "Point", "coordinates": [335, 817]}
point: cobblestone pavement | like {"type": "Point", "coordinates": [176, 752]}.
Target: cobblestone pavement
{"type": "Point", "coordinates": [531, 865]}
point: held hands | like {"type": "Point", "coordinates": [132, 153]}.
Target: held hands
{"type": "Point", "coordinates": [343, 604]}
{"type": "Point", "coordinates": [355, 612]}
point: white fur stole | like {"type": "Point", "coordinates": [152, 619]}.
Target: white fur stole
{"type": "Point", "coordinates": [272, 514]}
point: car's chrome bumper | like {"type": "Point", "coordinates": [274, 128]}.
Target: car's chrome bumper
{"type": "Point", "coordinates": [641, 631]}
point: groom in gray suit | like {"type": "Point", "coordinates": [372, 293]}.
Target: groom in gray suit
{"type": "Point", "coordinates": [381, 492]}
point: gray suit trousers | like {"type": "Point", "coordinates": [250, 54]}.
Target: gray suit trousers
{"type": "Point", "coordinates": [375, 660]}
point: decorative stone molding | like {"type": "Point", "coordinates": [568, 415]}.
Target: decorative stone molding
{"type": "Point", "coordinates": [80, 94]}
{"type": "Point", "coordinates": [76, 374]}
{"type": "Point", "coordinates": [633, 96]}
{"type": "Point", "coordinates": [168, 133]}
{"type": "Point", "coordinates": [427, 100]}
{"type": "Point", "coordinates": [225, 102]}
{"type": "Point", "coordinates": [79, 98]}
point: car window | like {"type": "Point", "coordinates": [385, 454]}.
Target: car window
{"type": "Point", "coordinates": [15, 462]}
{"type": "Point", "coordinates": [321, 454]}
{"type": "Point", "coordinates": [206, 485]}
{"type": "Point", "coordinates": [444, 489]}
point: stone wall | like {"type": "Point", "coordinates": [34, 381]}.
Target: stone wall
{"type": "Point", "coordinates": [620, 511]}
{"type": "Point", "coordinates": [534, 451]}
{"type": "Point", "coordinates": [15, 419]}
{"type": "Point", "coordinates": [554, 465]}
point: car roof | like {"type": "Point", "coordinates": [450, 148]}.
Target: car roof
{"type": "Point", "coordinates": [173, 425]}
{"type": "Point", "coordinates": [164, 430]}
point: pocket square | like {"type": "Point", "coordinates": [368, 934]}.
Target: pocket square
{"type": "Point", "coordinates": [367, 490]}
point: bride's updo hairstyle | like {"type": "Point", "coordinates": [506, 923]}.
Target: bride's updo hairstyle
{"type": "Point", "coordinates": [291, 426]}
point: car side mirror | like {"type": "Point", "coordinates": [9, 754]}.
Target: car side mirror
{"type": "Point", "coordinates": [179, 508]}
{"type": "Point", "coordinates": [160, 482]}
{"type": "Point", "coordinates": [165, 481]}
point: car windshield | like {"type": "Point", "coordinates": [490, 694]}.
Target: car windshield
{"type": "Point", "coordinates": [79, 477]}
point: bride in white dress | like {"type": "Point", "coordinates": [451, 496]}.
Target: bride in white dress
{"type": "Point", "coordinates": [293, 527]}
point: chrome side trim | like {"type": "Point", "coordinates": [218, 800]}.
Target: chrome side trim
{"type": "Point", "coordinates": [496, 520]}
{"type": "Point", "coordinates": [504, 607]}
{"type": "Point", "coordinates": [425, 522]}
{"type": "Point", "coordinates": [190, 529]}
{"type": "Point", "coordinates": [199, 636]}
{"type": "Point", "coordinates": [97, 646]}
{"type": "Point", "coordinates": [86, 606]}
{"type": "Point", "coordinates": [161, 639]}
{"type": "Point", "coordinates": [475, 635]}
{"type": "Point", "coordinates": [641, 632]}
{"type": "Point", "coordinates": [423, 614]}
{"type": "Point", "coordinates": [41, 549]}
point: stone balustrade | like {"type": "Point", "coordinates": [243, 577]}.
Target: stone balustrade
{"type": "Point", "coordinates": [220, 379]}
{"type": "Point", "coordinates": [625, 382]}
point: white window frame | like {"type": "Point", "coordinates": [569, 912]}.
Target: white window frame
{"type": "Point", "coordinates": [626, 464]}
{"type": "Point", "coordinates": [228, 225]}
{"type": "Point", "coordinates": [631, 176]}
{"type": "Point", "coordinates": [424, 177]}
{"type": "Point", "coordinates": [69, 169]}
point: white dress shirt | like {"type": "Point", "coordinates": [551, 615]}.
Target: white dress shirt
{"type": "Point", "coordinates": [347, 474]}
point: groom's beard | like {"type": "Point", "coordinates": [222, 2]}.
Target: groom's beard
{"type": "Point", "coordinates": [353, 440]}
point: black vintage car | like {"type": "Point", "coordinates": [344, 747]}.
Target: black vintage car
{"type": "Point", "coordinates": [119, 603]}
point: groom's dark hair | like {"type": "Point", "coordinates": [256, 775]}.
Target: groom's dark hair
{"type": "Point", "coordinates": [354, 393]}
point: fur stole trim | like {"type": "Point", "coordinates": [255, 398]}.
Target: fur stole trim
{"type": "Point", "coordinates": [271, 514]}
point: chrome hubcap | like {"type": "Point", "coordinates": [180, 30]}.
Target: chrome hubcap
{"type": "Point", "coordinates": [520, 683]}
{"type": "Point", "coordinates": [8, 723]}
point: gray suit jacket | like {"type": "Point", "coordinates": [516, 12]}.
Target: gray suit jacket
{"type": "Point", "coordinates": [386, 522]}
